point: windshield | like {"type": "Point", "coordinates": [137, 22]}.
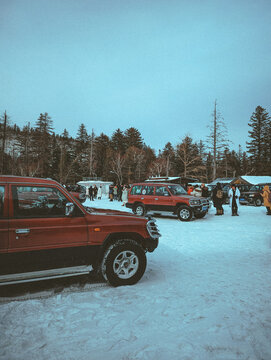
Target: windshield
{"type": "Point", "coordinates": [177, 190]}
{"type": "Point", "coordinates": [256, 188]}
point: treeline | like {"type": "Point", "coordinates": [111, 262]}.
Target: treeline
{"type": "Point", "coordinates": [125, 158]}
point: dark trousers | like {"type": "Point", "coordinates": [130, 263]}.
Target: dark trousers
{"type": "Point", "coordinates": [234, 207]}
{"type": "Point", "coordinates": [219, 208]}
{"type": "Point", "coordinates": [268, 210]}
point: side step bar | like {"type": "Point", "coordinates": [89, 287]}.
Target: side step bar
{"type": "Point", "coordinates": [44, 275]}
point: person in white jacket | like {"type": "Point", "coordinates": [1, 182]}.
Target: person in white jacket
{"type": "Point", "coordinates": [124, 195]}
{"type": "Point", "coordinates": [99, 193]}
{"type": "Point", "coordinates": [234, 196]}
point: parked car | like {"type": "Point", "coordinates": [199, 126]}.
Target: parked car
{"type": "Point", "coordinates": [162, 198]}
{"type": "Point", "coordinates": [45, 232]}
{"type": "Point", "coordinates": [78, 191]}
{"type": "Point", "coordinates": [253, 196]}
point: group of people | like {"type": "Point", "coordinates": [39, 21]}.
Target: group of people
{"type": "Point", "coordinates": [119, 193]}
{"type": "Point", "coordinates": [93, 192]}
{"type": "Point", "coordinates": [198, 191]}
{"type": "Point", "coordinates": [234, 197]}
{"type": "Point", "coordinates": [218, 199]}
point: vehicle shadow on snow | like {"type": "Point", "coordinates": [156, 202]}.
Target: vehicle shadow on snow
{"type": "Point", "coordinates": [52, 286]}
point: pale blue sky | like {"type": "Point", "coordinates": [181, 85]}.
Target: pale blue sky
{"type": "Point", "coordinates": [157, 65]}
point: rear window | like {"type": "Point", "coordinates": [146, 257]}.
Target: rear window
{"type": "Point", "coordinates": [136, 190]}
{"type": "Point", "coordinates": [142, 190]}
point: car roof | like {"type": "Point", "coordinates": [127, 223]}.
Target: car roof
{"type": "Point", "coordinates": [26, 180]}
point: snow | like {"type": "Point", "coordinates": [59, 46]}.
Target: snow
{"type": "Point", "coordinates": [205, 295]}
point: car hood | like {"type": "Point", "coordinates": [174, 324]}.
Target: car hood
{"type": "Point", "coordinates": [189, 197]}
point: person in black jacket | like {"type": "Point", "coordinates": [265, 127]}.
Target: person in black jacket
{"type": "Point", "coordinates": [217, 198]}
{"type": "Point", "coordinates": [204, 191]}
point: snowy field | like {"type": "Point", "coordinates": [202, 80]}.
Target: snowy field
{"type": "Point", "coordinates": [206, 294]}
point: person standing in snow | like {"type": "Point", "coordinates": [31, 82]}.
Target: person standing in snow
{"type": "Point", "coordinates": [99, 193]}
{"type": "Point", "coordinates": [124, 195]}
{"type": "Point", "coordinates": [266, 202]}
{"type": "Point", "coordinates": [234, 196]}
{"type": "Point", "coordinates": [111, 195]}
{"type": "Point", "coordinates": [217, 198]}
{"type": "Point", "coordinates": [91, 193]}
{"type": "Point", "coordinates": [120, 188]}
{"type": "Point", "coordinates": [115, 192]}
{"type": "Point", "coordinates": [204, 191]}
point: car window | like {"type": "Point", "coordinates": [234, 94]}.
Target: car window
{"type": "Point", "coordinates": [161, 191]}
{"type": "Point", "coordinates": [148, 190]}
{"type": "Point", "coordinates": [136, 190]}
{"type": "Point", "coordinates": [2, 193]}
{"type": "Point", "coordinates": [34, 201]}
{"type": "Point", "coordinates": [177, 190]}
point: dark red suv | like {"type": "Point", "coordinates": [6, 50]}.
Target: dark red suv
{"type": "Point", "coordinates": [45, 232]}
{"type": "Point", "coordinates": [165, 198]}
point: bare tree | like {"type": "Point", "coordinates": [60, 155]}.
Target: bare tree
{"type": "Point", "coordinates": [118, 162]}
{"type": "Point", "coordinates": [217, 140]}
{"type": "Point", "coordinates": [188, 155]}
{"type": "Point", "coordinates": [158, 167]}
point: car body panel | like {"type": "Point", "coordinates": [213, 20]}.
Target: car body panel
{"type": "Point", "coordinates": [36, 233]}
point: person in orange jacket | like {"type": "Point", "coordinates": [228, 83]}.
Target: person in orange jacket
{"type": "Point", "coordinates": [266, 202]}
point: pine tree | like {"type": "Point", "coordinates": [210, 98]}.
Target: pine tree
{"type": "Point", "coordinates": [4, 122]}
{"type": "Point", "coordinates": [258, 145]}
{"type": "Point", "coordinates": [133, 138]}
{"type": "Point", "coordinates": [118, 142]}
{"type": "Point", "coordinates": [23, 142]}
{"type": "Point", "coordinates": [42, 143]}
{"type": "Point", "coordinates": [81, 160]}
{"type": "Point", "coordinates": [169, 155]}
{"type": "Point", "coordinates": [102, 147]}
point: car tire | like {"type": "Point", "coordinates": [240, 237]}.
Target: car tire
{"type": "Point", "coordinates": [258, 202]}
{"type": "Point", "coordinates": [139, 209]}
{"type": "Point", "coordinates": [200, 216]}
{"type": "Point", "coordinates": [124, 263]}
{"type": "Point", "coordinates": [184, 213]}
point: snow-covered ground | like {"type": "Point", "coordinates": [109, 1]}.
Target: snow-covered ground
{"type": "Point", "coordinates": [206, 294]}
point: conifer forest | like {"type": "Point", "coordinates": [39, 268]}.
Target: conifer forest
{"type": "Point", "coordinates": [124, 157]}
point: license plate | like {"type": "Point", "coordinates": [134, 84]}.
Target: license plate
{"type": "Point", "coordinates": [204, 208]}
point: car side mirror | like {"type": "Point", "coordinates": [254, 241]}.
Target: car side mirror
{"type": "Point", "coordinates": [69, 209]}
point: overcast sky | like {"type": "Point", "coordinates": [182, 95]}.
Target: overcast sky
{"type": "Point", "coordinates": [157, 65]}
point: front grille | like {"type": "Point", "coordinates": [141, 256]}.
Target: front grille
{"type": "Point", "coordinates": [152, 229]}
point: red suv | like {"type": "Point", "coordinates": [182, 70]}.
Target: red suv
{"type": "Point", "coordinates": [45, 232]}
{"type": "Point", "coordinates": [166, 198]}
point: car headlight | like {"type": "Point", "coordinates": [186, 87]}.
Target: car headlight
{"type": "Point", "coordinates": [194, 202]}
{"type": "Point", "coordinates": [152, 229]}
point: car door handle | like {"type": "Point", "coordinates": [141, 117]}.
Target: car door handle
{"type": "Point", "coordinates": [22, 231]}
